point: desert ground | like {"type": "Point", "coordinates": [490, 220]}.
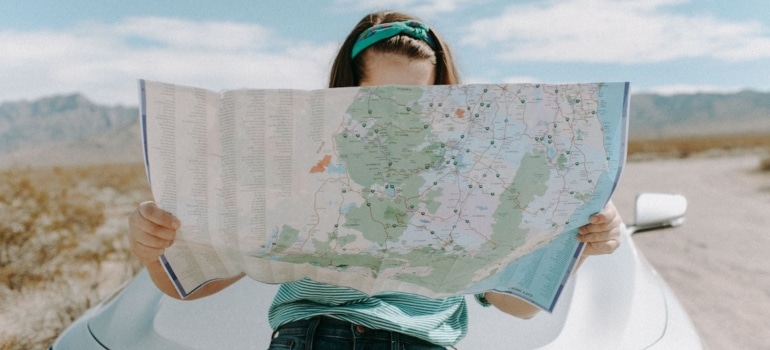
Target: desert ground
{"type": "Point", "coordinates": [716, 262]}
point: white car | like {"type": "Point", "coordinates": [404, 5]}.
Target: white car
{"type": "Point", "coordinates": [616, 301]}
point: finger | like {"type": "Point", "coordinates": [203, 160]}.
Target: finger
{"type": "Point", "coordinates": [613, 226]}
{"type": "Point", "coordinates": [151, 212]}
{"type": "Point", "coordinates": [144, 253]}
{"type": "Point", "coordinates": [590, 233]}
{"type": "Point", "coordinates": [152, 241]}
{"type": "Point", "coordinates": [603, 217]}
{"type": "Point", "coordinates": [599, 248]}
{"type": "Point", "coordinates": [599, 236]}
{"type": "Point", "coordinates": [609, 213]}
{"type": "Point", "coordinates": [594, 228]}
{"type": "Point", "coordinates": [604, 221]}
{"type": "Point", "coordinates": [138, 225]}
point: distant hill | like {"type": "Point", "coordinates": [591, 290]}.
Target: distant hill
{"type": "Point", "coordinates": [70, 129]}
{"type": "Point", "coordinates": [67, 129]}
{"type": "Point", "coordinates": [655, 116]}
{"type": "Point", "coordinates": [57, 119]}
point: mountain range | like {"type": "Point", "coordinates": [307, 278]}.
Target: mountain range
{"type": "Point", "coordinates": [67, 129]}
{"type": "Point", "coordinates": [703, 114]}
{"type": "Point", "coordinates": [72, 130]}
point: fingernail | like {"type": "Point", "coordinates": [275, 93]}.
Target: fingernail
{"type": "Point", "coordinates": [175, 223]}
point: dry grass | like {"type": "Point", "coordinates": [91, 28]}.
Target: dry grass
{"type": "Point", "coordinates": [688, 146]}
{"type": "Point", "coordinates": [64, 245]}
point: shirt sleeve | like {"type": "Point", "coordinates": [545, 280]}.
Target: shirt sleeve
{"type": "Point", "coordinates": [482, 300]}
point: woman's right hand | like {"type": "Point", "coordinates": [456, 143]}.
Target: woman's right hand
{"type": "Point", "coordinates": [150, 231]}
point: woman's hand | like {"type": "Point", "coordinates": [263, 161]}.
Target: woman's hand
{"type": "Point", "coordinates": [602, 234]}
{"type": "Point", "coordinates": [150, 231]}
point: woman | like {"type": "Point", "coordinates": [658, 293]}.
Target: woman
{"type": "Point", "coordinates": [384, 48]}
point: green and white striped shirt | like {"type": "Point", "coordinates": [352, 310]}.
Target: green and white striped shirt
{"type": "Point", "coordinates": [439, 321]}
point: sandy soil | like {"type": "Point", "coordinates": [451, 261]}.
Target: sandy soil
{"type": "Point", "coordinates": [718, 262]}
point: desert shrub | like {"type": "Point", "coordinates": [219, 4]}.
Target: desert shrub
{"type": "Point", "coordinates": [764, 164]}
{"type": "Point", "coordinates": [64, 247]}
{"type": "Point", "coordinates": [40, 224]}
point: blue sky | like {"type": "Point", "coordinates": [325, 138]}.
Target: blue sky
{"type": "Point", "coordinates": [101, 48]}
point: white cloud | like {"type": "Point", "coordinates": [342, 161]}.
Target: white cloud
{"type": "Point", "coordinates": [190, 34]}
{"type": "Point", "coordinates": [611, 31]}
{"type": "Point", "coordinates": [105, 61]}
{"type": "Point", "coordinates": [421, 8]}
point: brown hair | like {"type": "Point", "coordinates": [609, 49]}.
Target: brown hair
{"type": "Point", "coordinates": [348, 72]}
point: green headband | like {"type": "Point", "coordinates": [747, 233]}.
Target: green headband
{"type": "Point", "coordinates": [384, 31]}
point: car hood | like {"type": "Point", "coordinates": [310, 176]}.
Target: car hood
{"type": "Point", "coordinates": [614, 301]}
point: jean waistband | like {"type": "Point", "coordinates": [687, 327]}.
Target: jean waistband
{"type": "Point", "coordinates": [326, 324]}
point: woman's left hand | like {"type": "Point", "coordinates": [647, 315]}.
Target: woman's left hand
{"type": "Point", "coordinates": [602, 234]}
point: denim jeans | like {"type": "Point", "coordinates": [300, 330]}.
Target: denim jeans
{"type": "Point", "coordinates": [326, 333]}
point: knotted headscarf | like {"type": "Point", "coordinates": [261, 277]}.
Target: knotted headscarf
{"type": "Point", "coordinates": [385, 31]}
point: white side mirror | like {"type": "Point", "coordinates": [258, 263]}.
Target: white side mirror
{"type": "Point", "coordinates": [658, 210]}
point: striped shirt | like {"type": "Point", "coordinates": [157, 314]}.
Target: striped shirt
{"type": "Point", "coordinates": [439, 321]}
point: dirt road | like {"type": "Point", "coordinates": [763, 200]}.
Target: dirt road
{"type": "Point", "coordinates": [718, 263]}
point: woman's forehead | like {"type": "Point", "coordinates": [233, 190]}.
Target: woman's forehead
{"type": "Point", "coordinates": [396, 69]}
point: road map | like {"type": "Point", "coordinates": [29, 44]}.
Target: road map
{"type": "Point", "coordinates": [433, 190]}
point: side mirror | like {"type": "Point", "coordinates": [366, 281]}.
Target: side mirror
{"type": "Point", "coordinates": [658, 210]}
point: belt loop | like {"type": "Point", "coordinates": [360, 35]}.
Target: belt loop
{"type": "Point", "coordinates": [311, 332]}
{"type": "Point", "coordinates": [395, 343]}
